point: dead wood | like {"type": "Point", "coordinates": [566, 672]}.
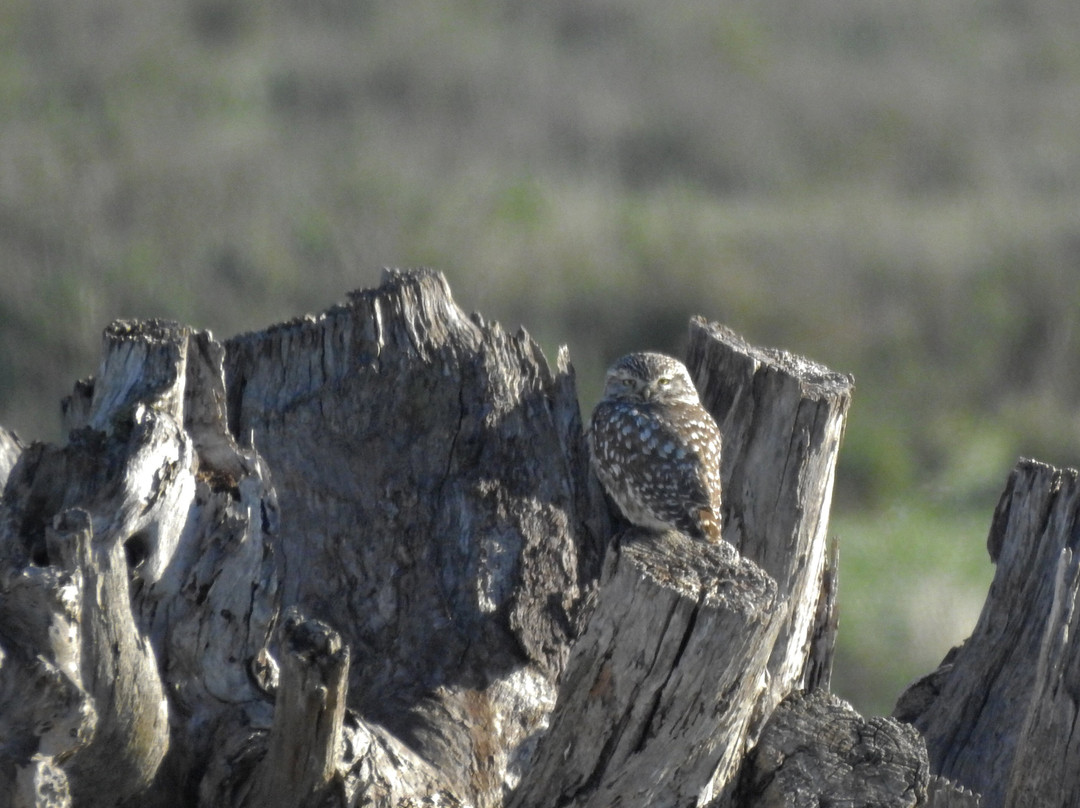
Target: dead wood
{"type": "Point", "coordinates": [359, 559]}
{"type": "Point", "coordinates": [782, 417]}
{"type": "Point", "coordinates": [415, 481]}
{"type": "Point", "coordinates": [127, 584]}
{"type": "Point", "coordinates": [436, 511]}
{"type": "Point", "coordinates": [10, 449]}
{"type": "Point", "coordinates": [999, 714]}
{"type": "Point", "coordinates": [302, 760]}
{"type": "Point", "coordinates": [941, 793]}
{"type": "Point", "coordinates": [656, 699]}
{"type": "Point", "coordinates": [816, 750]}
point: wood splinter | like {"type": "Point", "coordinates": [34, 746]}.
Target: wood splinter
{"type": "Point", "coordinates": [302, 758]}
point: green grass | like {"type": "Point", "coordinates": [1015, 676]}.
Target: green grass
{"type": "Point", "coordinates": [913, 577]}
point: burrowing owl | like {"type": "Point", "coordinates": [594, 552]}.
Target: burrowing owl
{"type": "Point", "coordinates": [656, 449]}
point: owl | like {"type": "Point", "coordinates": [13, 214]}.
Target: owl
{"type": "Point", "coordinates": [655, 449]}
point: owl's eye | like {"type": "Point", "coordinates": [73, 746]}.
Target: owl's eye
{"type": "Point", "coordinates": [664, 381]}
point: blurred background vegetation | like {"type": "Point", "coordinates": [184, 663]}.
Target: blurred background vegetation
{"type": "Point", "coordinates": [892, 189]}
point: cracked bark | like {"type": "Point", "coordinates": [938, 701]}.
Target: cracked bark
{"type": "Point", "coordinates": [445, 527]}
{"type": "Point", "coordinates": [411, 477]}
{"type": "Point", "coordinates": [816, 750]}
{"type": "Point", "coordinates": [301, 762]}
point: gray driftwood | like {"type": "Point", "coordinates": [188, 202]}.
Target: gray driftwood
{"type": "Point", "coordinates": [300, 764]}
{"type": "Point", "coordinates": [360, 559]}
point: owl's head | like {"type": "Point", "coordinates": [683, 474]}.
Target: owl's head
{"type": "Point", "coordinates": [645, 377]}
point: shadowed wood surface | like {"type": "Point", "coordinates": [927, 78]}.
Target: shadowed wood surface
{"type": "Point", "coordinates": [430, 503]}
{"type": "Point", "coordinates": [436, 511]}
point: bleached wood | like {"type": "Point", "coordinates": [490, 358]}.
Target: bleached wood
{"type": "Point", "coordinates": [122, 618]}
{"type": "Point", "coordinates": [40, 783]}
{"type": "Point", "coordinates": [302, 758]}
{"type": "Point", "coordinates": [10, 449]}
{"type": "Point", "coordinates": [118, 671]}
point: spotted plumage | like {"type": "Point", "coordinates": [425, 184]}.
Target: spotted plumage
{"type": "Point", "coordinates": [655, 449]}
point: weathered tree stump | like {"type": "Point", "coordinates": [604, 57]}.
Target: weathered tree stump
{"type": "Point", "coordinates": [1000, 713]}
{"type": "Point", "coordinates": [159, 577]}
{"type": "Point", "coordinates": [436, 510]}
{"type": "Point", "coordinates": [782, 417]}
{"type": "Point", "coordinates": [360, 559]}
{"type": "Point", "coordinates": [655, 702]}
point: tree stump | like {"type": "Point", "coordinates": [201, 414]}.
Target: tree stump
{"type": "Point", "coordinates": [782, 418]}
{"type": "Point", "coordinates": [999, 715]}
{"type": "Point", "coordinates": [360, 559]}
{"type": "Point", "coordinates": [301, 762]}
{"type": "Point", "coordinates": [655, 702]}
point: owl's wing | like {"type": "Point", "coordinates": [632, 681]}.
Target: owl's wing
{"type": "Point", "coordinates": [695, 464]}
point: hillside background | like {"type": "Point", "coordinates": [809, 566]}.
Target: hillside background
{"type": "Point", "coordinates": [892, 189]}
